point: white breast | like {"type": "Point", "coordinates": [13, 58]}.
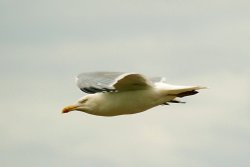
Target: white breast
{"type": "Point", "coordinates": [127, 102]}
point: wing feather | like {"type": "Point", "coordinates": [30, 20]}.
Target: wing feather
{"type": "Point", "coordinates": [131, 81]}
{"type": "Point", "coordinates": [94, 82]}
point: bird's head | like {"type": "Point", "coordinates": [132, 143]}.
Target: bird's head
{"type": "Point", "coordinates": [81, 105]}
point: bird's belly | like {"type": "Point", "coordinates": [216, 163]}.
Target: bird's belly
{"type": "Point", "coordinates": [121, 103]}
{"type": "Point", "coordinates": [128, 107]}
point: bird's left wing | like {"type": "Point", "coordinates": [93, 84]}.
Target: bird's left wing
{"type": "Point", "coordinates": [131, 81]}
{"type": "Point", "coordinates": [94, 82]}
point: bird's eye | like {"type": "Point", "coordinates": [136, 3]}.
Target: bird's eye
{"type": "Point", "coordinates": [82, 100]}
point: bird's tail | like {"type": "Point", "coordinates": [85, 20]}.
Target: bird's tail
{"type": "Point", "coordinates": [183, 91]}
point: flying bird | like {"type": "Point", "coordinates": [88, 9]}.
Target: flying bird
{"type": "Point", "coordinates": [117, 93]}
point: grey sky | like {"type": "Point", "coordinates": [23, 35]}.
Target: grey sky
{"type": "Point", "coordinates": [45, 44]}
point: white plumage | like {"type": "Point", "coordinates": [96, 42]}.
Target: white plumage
{"type": "Point", "coordinates": [115, 93]}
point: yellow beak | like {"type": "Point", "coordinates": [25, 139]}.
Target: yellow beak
{"type": "Point", "coordinates": [69, 108]}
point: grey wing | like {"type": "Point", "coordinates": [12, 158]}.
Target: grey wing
{"type": "Point", "coordinates": [94, 82]}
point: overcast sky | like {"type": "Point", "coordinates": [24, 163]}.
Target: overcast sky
{"type": "Point", "coordinates": [45, 44]}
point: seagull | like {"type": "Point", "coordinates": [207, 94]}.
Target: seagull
{"type": "Point", "coordinates": [117, 93]}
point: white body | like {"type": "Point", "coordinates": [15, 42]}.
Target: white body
{"type": "Point", "coordinates": [112, 93]}
{"type": "Point", "coordinates": [127, 102]}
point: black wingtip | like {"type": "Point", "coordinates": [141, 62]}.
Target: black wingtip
{"type": "Point", "coordinates": [188, 93]}
{"type": "Point", "coordinates": [92, 90]}
{"type": "Point", "coordinates": [176, 101]}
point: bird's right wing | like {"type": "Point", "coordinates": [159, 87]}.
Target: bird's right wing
{"type": "Point", "coordinates": [94, 82]}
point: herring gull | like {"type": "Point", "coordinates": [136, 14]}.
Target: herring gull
{"type": "Point", "coordinates": [117, 93]}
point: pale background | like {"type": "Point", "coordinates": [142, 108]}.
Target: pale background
{"type": "Point", "coordinates": [45, 44]}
